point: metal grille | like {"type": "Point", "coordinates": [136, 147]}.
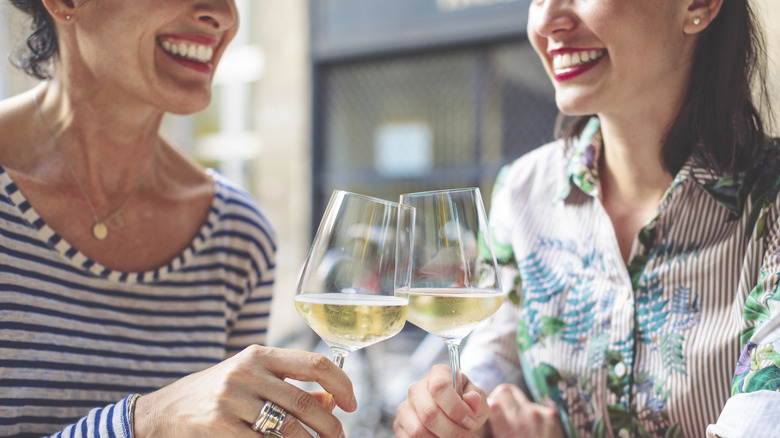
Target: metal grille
{"type": "Point", "coordinates": [472, 109]}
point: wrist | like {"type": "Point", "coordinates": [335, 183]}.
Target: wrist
{"type": "Point", "coordinates": [130, 413]}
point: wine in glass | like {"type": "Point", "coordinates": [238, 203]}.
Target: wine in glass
{"type": "Point", "coordinates": [454, 284]}
{"type": "Point", "coordinates": [346, 289]}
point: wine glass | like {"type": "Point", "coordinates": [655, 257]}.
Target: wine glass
{"type": "Point", "coordinates": [454, 284]}
{"type": "Point", "coordinates": [346, 290]}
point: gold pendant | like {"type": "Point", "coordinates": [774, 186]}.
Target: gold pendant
{"type": "Point", "coordinates": [100, 230]}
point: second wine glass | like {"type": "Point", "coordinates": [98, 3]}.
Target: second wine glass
{"type": "Point", "coordinates": [454, 284]}
{"type": "Point", "coordinates": [362, 249]}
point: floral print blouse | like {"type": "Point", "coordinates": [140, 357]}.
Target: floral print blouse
{"type": "Point", "coordinates": [685, 337]}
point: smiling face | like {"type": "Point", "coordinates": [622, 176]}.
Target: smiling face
{"type": "Point", "coordinates": [158, 52]}
{"type": "Point", "coordinates": [613, 56]}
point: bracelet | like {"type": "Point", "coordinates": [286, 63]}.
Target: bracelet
{"type": "Point", "coordinates": [131, 411]}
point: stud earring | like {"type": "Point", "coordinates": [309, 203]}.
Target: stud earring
{"type": "Point", "coordinates": [696, 21]}
{"type": "Point", "coordinates": [67, 17]}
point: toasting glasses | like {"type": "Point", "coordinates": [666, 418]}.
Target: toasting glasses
{"type": "Point", "coordinates": [346, 292]}
{"type": "Point", "coordinates": [454, 283]}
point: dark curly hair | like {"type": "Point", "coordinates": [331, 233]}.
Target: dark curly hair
{"type": "Point", "coordinates": [35, 59]}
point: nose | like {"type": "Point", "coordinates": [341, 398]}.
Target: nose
{"type": "Point", "coordinates": [550, 17]}
{"type": "Point", "coordinates": [219, 14]}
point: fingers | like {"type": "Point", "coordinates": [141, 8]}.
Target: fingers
{"type": "Point", "coordinates": [441, 390]}
{"type": "Point", "coordinates": [433, 408]}
{"type": "Point", "coordinates": [307, 367]}
{"type": "Point", "coordinates": [325, 399]}
{"type": "Point", "coordinates": [292, 428]}
{"type": "Point", "coordinates": [476, 398]}
{"type": "Point", "coordinates": [407, 424]}
{"type": "Point", "coordinates": [301, 405]}
{"type": "Point", "coordinates": [513, 415]}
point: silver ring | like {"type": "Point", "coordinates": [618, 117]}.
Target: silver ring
{"type": "Point", "coordinates": [269, 421]}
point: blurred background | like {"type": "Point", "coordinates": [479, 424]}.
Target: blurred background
{"type": "Point", "coordinates": [373, 96]}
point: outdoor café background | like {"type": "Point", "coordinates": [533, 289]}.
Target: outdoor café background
{"type": "Point", "coordinates": [379, 97]}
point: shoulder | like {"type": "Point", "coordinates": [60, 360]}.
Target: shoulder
{"type": "Point", "coordinates": [764, 195]}
{"type": "Point", "coordinates": [16, 137]}
{"type": "Point", "coordinates": [538, 172]}
{"type": "Point", "coordinates": [238, 206]}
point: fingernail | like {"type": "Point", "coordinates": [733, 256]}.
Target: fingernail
{"type": "Point", "coordinates": [353, 403]}
{"type": "Point", "coordinates": [469, 423]}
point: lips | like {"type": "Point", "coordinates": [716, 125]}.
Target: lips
{"type": "Point", "coordinates": [568, 64]}
{"type": "Point", "coordinates": [193, 51]}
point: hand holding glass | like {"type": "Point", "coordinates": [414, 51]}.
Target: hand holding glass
{"type": "Point", "coordinates": [454, 284]}
{"type": "Point", "coordinates": [346, 290]}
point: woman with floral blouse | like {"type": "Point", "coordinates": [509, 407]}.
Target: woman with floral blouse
{"type": "Point", "coordinates": [642, 248]}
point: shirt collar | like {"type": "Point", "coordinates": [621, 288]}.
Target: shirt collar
{"type": "Point", "coordinates": [582, 172]}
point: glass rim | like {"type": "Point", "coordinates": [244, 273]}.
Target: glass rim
{"type": "Point", "coordinates": [371, 198]}
{"type": "Point", "coordinates": [440, 191]}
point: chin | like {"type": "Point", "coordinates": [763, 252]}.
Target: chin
{"type": "Point", "coordinates": [190, 106]}
{"type": "Point", "coordinates": [573, 106]}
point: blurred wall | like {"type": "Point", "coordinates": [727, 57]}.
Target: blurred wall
{"type": "Point", "coordinates": [282, 181]}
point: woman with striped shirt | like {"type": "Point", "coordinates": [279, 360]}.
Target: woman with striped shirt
{"type": "Point", "coordinates": [125, 267]}
{"type": "Point", "coordinates": [642, 248]}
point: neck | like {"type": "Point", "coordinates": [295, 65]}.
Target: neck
{"type": "Point", "coordinates": [631, 168]}
{"type": "Point", "coordinates": [108, 146]}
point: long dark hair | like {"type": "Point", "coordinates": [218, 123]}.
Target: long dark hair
{"type": "Point", "coordinates": [718, 119]}
{"type": "Point", "coordinates": [41, 47]}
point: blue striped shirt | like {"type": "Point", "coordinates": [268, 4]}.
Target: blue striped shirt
{"type": "Point", "coordinates": [77, 338]}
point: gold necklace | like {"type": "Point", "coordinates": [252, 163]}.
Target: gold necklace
{"type": "Point", "coordinates": [99, 227]}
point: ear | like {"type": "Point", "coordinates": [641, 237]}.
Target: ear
{"type": "Point", "coordinates": [700, 14]}
{"type": "Point", "coordinates": [63, 11]}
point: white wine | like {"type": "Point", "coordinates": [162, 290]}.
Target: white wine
{"type": "Point", "coordinates": [352, 321]}
{"type": "Point", "coordinates": [451, 313]}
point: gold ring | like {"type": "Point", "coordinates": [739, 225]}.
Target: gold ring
{"type": "Point", "coordinates": [269, 421]}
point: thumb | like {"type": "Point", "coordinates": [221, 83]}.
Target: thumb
{"type": "Point", "coordinates": [477, 401]}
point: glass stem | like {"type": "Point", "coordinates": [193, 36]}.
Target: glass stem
{"type": "Point", "coordinates": [338, 356]}
{"type": "Point", "coordinates": [453, 348]}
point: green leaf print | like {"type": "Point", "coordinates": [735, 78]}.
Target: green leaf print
{"type": "Point", "coordinates": [599, 431]}
{"type": "Point", "coordinates": [767, 378]}
{"type": "Point", "coordinates": [737, 384]}
{"type": "Point", "coordinates": [747, 333]}
{"type": "Point", "coordinates": [551, 326]}
{"type": "Point", "coordinates": [619, 418]}
{"type": "Point", "coordinates": [774, 356]}
{"type": "Point", "coordinates": [672, 352]}
{"type": "Point", "coordinates": [616, 381]}
{"type": "Point", "coordinates": [514, 294]}
{"type": "Point", "coordinates": [674, 432]}
{"type": "Point", "coordinates": [635, 268]}
{"type": "Point", "coordinates": [754, 310]}
{"type": "Point", "coordinates": [524, 340]}
{"type": "Point", "coordinates": [597, 350]}
{"type": "Point", "coordinates": [546, 379]}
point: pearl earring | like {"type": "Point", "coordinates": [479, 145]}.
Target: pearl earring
{"type": "Point", "coordinates": [696, 21]}
{"type": "Point", "coordinates": [67, 17]}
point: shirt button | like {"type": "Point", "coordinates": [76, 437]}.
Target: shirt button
{"type": "Point", "coordinates": [620, 369]}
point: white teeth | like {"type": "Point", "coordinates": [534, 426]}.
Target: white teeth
{"type": "Point", "coordinates": [196, 52]}
{"type": "Point", "coordinates": [568, 60]}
